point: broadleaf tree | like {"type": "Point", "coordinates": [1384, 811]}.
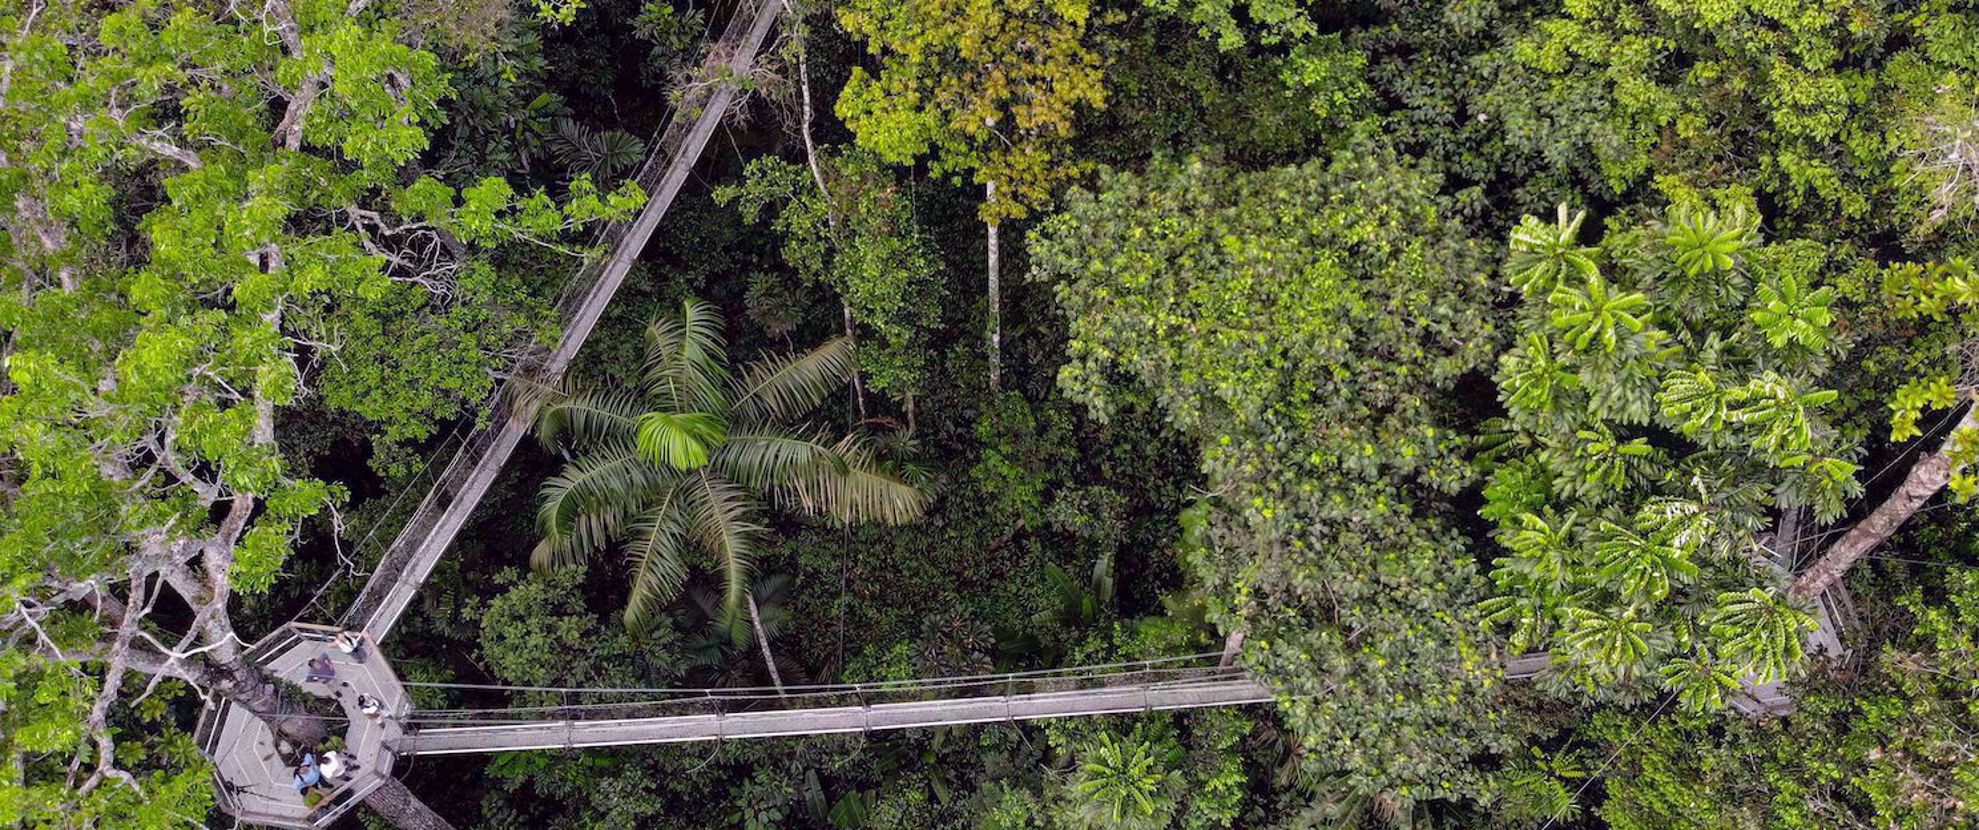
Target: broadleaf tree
{"type": "Point", "coordinates": [196, 198]}
{"type": "Point", "coordinates": [986, 89]}
{"type": "Point", "coordinates": [1304, 325]}
{"type": "Point", "coordinates": [1664, 408]}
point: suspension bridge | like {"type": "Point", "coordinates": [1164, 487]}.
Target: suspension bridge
{"type": "Point", "coordinates": [374, 707]}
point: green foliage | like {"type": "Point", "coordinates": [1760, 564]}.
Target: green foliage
{"type": "Point", "coordinates": [1301, 324]}
{"type": "Point", "coordinates": [985, 88]}
{"type": "Point", "coordinates": [1884, 750]}
{"type": "Point", "coordinates": [1022, 446]}
{"type": "Point", "coordinates": [211, 215]}
{"type": "Point", "coordinates": [1126, 784]}
{"type": "Point", "coordinates": [1270, 21]}
{"type": "Point", "coordinates": [537, 632]}
{"type": "Point", "coordinates": [605, 154]}
{"type": "Point", "coordinates": [865, 244]}
{"type": "Point", "coordinates": [1543, 255]}
{"type": "Point", "coordinates": [1938, 292]}
{"type": "Point", "coordinates": [1655, 424]}
{"type": "Point", "coordinates": [1812, 103]}
{"type": "Point", "coordinates": [446, 343]}
{"type": "Point", "coordinates": [558, 12]}
{"type": "Point", "coordinates": [1789, 313]}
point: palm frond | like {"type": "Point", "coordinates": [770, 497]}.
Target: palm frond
{"type": "Point", "coordinates": [783, 387]}
{"type": "Point", "coordinates": [680, 440]}
{"type": "Point", "coordinates": [579, 416]}
{"type": "Point", "coordinates": [717, 517]}
{"type": "Point", "coordinates": [656, 549]}
{"type": "Point", "coordinates": [764, 459]}
{"type": "Point", "coordinates": [686, 359]}
{"type": "Point", "coordinates": [605, 153]}
{"type": "Point", "coordinates": [584, 505]}
{"type": "Point", "coordinates": [861, 489]}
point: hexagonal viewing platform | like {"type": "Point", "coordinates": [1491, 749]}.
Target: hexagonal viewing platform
{"type": "Point", "coordinates": [255, 769]}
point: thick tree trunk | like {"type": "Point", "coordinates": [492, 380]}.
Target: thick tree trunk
{"type": "Point", "coordinates": [247, 686]}
{"type": "Point", "coordinates": [404, 810]}
{"type": "Point", "coordinates": [995, 303]}
{"type": "Point", "coordinates": [763, 642]}
{"type": "Point", "coordinates": [1929, 475]}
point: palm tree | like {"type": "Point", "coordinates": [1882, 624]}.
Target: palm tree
{"type": "Point", "coordinates": [1126, 784]}
{"type": "Point", "coordinates": [674, 469]}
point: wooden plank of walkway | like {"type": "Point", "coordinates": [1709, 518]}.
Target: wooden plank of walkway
{"type": "Point", "coordinates": [446, 507]}
{"type": "Point", "coordinates": [568, 734]}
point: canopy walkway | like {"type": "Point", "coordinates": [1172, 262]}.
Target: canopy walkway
{"type": "Point", "coordinates": [1229, 690]}
{"type": "Point", "coordinates": [685, 715]}
{"type": "Point", "coordinates": [253, 766]}
{"type": "Point", "coordinates": [479, 459]}
{"type": "Point", "coordinates": [248, 757]}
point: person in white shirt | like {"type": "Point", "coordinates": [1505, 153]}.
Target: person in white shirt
{"type": "Point", "coordinates": [332, 764]}
{"type": "Point", "coordinates": [351, 643]}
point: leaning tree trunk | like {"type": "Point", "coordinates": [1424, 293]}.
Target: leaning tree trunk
{"type": "Point", "coordinates": [763, 642]}
{"type": "Point", "coordinates": [1929, 475]}
{"type": "Point", "coordinates": [995, 301]}
{"type": "Point", "coordinates": [1233, 645]}
{"type": "Point", "coordinates": [396, 804]}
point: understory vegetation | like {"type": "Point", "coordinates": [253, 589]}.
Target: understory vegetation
{"type": "Point", "coordinates": [1566, 410]}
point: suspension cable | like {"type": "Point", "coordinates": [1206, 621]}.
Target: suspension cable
{"type": "Point", "coordinates": [878, 685]}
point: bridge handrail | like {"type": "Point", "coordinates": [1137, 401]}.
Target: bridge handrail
{"type": "Point", "coordinates": [713, 700]}
{"type": "Point", "coordinates": [871, 684]}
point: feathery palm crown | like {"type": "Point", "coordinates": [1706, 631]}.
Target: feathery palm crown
{"type": "Point", "coordinates": [679, 463]}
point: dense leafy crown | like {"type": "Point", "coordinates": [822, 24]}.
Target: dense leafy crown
{"type": "Point", "coordinates": [985, 88]}
{"type": "Point", "coordinates": [1304, 324]}
{"type": "Point", "coordinates": [1663, 407]}
{"type": "Point", "coordinates": [198, 200]}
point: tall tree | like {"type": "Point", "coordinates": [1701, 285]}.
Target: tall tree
{"type": "Point", "coordinates": [982, 87]}
{"type": "Point", "coordinates": [675, 465]}
{"type": "Point", "coordinates": [858, 236]}
{"type": "Point", "coordinates": [196, 197]}
{"type": "Point", "coordinates": [1885, 746]}
{"type": "Point", "coordinates": [1832, 107]}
